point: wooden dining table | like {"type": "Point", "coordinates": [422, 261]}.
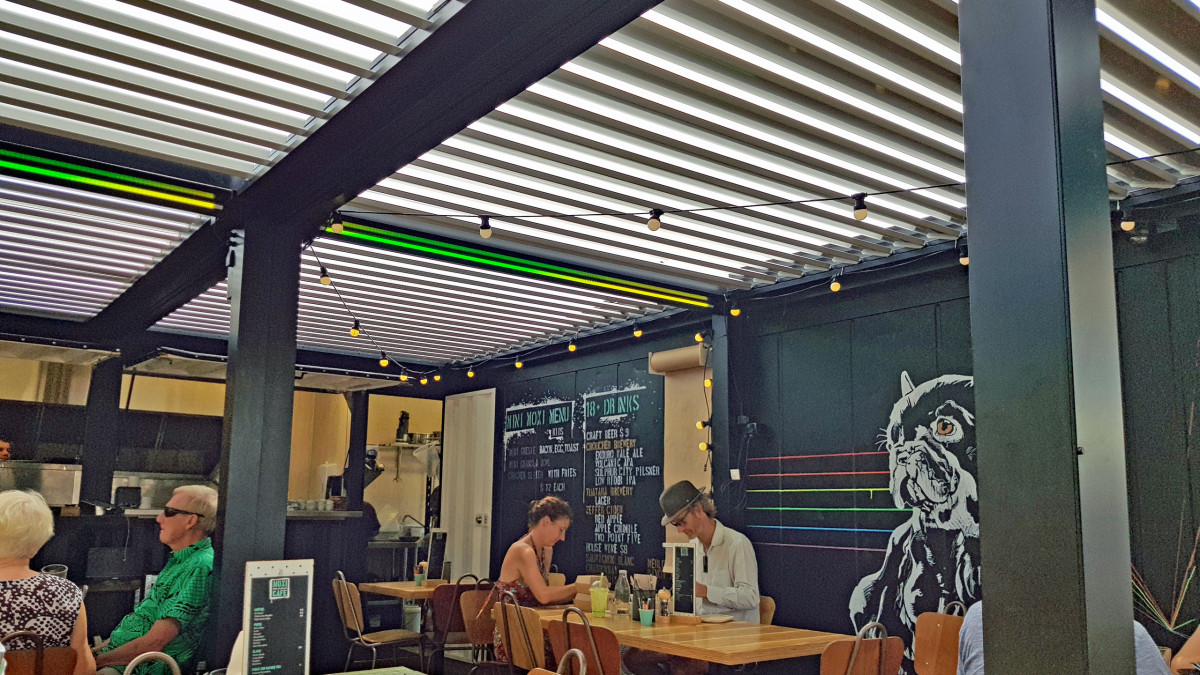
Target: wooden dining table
{"type": "Point", "coordinates": [407, 590]}
{"type": "Point", "coordinates": [733, 643]}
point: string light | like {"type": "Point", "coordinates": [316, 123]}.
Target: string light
{"type": "Point", "coordinates": [836, 285]}
{"type": "Point", "coordinates": [708, 383]}
{"type": "Point", "coordinates": [571, 346]}
{"type": "Point", "coordinates": [703, 424]}
{"type": "Point", "coordinates": [704, 447]}
{"type": "Point", "coordinates": [383, 361]}
{"type": "Point", "coordinates": [964, 258]}
{"type": "Point", "coordinates": [860, 206]}
{"type": "Point", "coordinates": [1122, 220]}
{"type": "Point", "coordinates": [325, 280]}
{"type": "Point", "coordinates": [404, 376]}
{"type": "Point", "coordinates": [424, 380]}
{"type": "Point", "coordinates": [655, 221]}
{"type": "Point", "coordinates": [335, 223]}
{"type": "Point", "coordinates": [470, 372]}
{"type": "Point", "coordinates": [485, 227]}
{"type": "Point", "coordinates": [699, 337]}
{"type": "Point", "coordinates": [519, 364]}
{"type": "Point", "coordinates": [355, 329]}
{"type": "Point", "coordinates": [637, 331]}
{"type": "Point", "coordinates": [437, 377]}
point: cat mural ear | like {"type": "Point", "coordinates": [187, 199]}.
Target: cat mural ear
{"type": "Point", "coordinates": [906, 385]}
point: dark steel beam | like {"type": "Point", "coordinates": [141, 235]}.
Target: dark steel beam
{"type": "Point", "coordinates": [484, 55]}
{"type": "Point", "coordinates": [356, 456]}
{"type": "Point", "coordinates": [101, 431]}
{"type": "Point", "coordinates": [1052, 490]}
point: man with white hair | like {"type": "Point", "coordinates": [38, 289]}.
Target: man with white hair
{"type": "Point", "coordinates": [174, 614]}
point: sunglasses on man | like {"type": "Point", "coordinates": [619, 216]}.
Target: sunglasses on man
{"type": "Point", "coordinates": [171, 513]}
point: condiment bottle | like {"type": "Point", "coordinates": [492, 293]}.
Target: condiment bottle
{"type": "Point", "coordinates": [621, 594]}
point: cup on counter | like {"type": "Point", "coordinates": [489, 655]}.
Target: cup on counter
{"type": "Point", "coordinates": [55, 570]}
{"type": "Point", "coordinates": [646, 616]}
{"type": "Point", "coordinates": [419, 577]}
{"type": "Point", "coordinates": [310, 505]}
{"type": "Point", "coordinates": [599, 601]}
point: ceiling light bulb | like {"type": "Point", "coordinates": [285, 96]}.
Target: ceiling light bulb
{"type": "Point", "coordinates": [325, 280]}
{"type": "Point", "coordinates": [355, 329]}
{"type": "Point", "coordinates": [963, 258]}
{"type": "Point", "coordinates": [571, 347]}
{"type": "Point", "coordinates": [519, 364]}
{"type": "Point", "coordinates": [470, 372]}
{"type": "Point", "coordinates": [383, 361]}
{"type": "Point", "coordinates": [485, 227]}
{"type": "Point", "coordinates": [404, 377]}
{"type": "Point", "coordinates": [735, 311]}
{"type": "Point", "coordinates": [336, 225]}
{"type": "Point", "coordinates": [437, 377]}
{"type": "Point", "coordinates": [655, 221]}
{"type": "Point", "coordinates": [1128, 225]}
{"type": "Point", "coordinates": [424, 380]}
{"type": "Point", "coordinates": [704, 446]}
{"type": "Point", "coordinates": [835, 285]}
{"type": "Point", "coordinates": [708, 383]}
{"type": "Point", "coordinates": [637, 332]}
{"type": "Point", "coordinates": [699, 337]}
{"type": "Point", "coordinates": [860, 206]}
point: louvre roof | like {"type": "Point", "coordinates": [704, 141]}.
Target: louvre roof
{"type": "Point", "coordinates": [749, 122]}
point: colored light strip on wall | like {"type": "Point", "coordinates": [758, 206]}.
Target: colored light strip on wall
{"type": "Point", "coordinates": [819, 508]}
{"type": "Point", "coordinates": [520, 265]}
{"type": "Point", "coordinates": [831, 548]}
{"type": "Point", "coordinates": [836, 454]}
{"type": "Point", "coordinates": [820, 473]}
{"type": "Point", "coordinates": [821, 529]}
{"type": "Point", "coordinates": [107, 184]}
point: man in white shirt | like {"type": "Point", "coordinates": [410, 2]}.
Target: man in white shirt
{"type": "Point", "coordinates": [726, 574]}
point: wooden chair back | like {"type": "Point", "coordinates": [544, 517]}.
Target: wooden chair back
{"type": "Point", "coordinates": [863, 655]}
{"type": "Point", "coordinates": [40, 660]}
{"type": "Point", "coordinates": [935, 644]}
{"type": "Point", "coordinates": [480, 624]}
{"type": "Point", "coordinates": [349, 604]}
{"type": "Point", "coordinates": [447, 612]}
{"type": "Point", "coordinates": [521, 632]}
{"type": "Point", "coordinates": [766, 610]}
{"type": "Point", "coordinates": [574, 654]}
{"type": "Point", "coordinates": [599, 646]}
{"type": "Point", "coordinates": [556, 579]}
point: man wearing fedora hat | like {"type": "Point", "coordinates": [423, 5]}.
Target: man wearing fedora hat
{"type": "Point", "coordinates": [727, 578]}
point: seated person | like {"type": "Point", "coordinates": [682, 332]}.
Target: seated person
{"type": "Point", "coordinates": [1187, 658]}
{"type": "Point", "coordinates": [527, 562]}
{"type": "Point", "coordinates": [173, 616]}
{"type": "Point", "coordinates": [51, 606]}
{"type": "Point", "coordinates": [727, 583]}
{"type": "Point", "coordinates": [5, 449]}
{"type": "Point", "coordinates": [970, 646]}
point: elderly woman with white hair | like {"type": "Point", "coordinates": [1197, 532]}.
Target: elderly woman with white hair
{"type": "Point", "coordinates": [50, 606]}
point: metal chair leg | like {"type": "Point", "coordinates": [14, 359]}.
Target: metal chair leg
{"type": "Point", "coordinates": [374, 656]}
{"type": "Point", "coordinates": [349, 653]}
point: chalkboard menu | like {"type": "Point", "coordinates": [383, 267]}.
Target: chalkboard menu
{"type": "Point", "coordinates": [276, 617]}
{"type": "Point", "coordinates": [684, 578]}
{"type": "Point", "coordinates": [594, 438]}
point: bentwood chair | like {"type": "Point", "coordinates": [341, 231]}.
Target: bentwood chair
{"type": "Point", "coordinates": [600, 649]}
{"type": "Point", "coordinates": [349, 604]}
{"type": "Point", "coordinates": [521, 633]}
{"type": "Point", "coordinates": [39, 660]}
{"type": "Point", "coordinates": [935, 641]}
{"type": "Point", "coordinates": [449, 622]}
{"type": "Point", "coordinates": [480, 624]}
{"type": "Point", "coordinates": [766, 610]}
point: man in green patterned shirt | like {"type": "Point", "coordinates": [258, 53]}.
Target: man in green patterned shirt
{"type": "Point", "coordinates": [174, 614]}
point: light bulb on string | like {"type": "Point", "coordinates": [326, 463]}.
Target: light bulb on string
{"type": "Point", "coordinates": [470, 372]}
{"type": "Point", "coordinates": [703, 424]}
{"type": "Point", "coordinates": [325, 280]}
{"type": "Point", "coordinates": [519, 364]}
{"type": "Point", "coordinates": [637, 332]}
{"type": "Point", "coordinates": [404, 376]}
{"type": "Point", "coordinates": [705, 447]}
{"type": "Point", "coordinates": [335, 223]}
{"type": "Point", "coordinates": [571, 346]}
{"type": "Point", "coordinates": [964, 257]}
{"type": "Point", "coordinates": [437, 377]}
{"type": "Point", "coordinates": [699, 337]}
{"type": "Point", "coordinates": [860, 206]}
{"type": "Point", "coordinates": [708, 383]}
{"type": "Point", "coordinates": [383, 361]}
{"type": "Point", "coordinates": [485, 227]}
{"type": "Point", "coordinates": [735, 311]}
{"type": "Point", "coordinates": [424, 380]}
{"type": "Point", "coordinates": [836, 284]}
{"type": "Point", "coordinates": [655, 220]}
{"type": "Point", "coordinates": [355, 329]}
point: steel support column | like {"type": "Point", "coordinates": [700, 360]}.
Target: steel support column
{"type": "Point", "coordinates": [1053, 520]}
{"type": "Point", "coordinates": [264, 285]}
{"type": "Point", "coordinates": [356, 456]}
{"type": "Point", "coordinates": [101, 430]}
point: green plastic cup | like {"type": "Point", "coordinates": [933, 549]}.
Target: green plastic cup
{"type": "Point", "coordinates": [599, 601]}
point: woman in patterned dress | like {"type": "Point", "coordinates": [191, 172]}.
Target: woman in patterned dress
{"type": "Point", "coordinates": [50, 606]}
{"type": "Point", "coordinates": [527, 562]}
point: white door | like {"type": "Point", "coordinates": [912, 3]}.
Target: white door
{"type": "Point", "coordinates": [468, 437]}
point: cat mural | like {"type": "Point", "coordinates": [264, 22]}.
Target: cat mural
{"type": "Point", "coordinates": [933, 558]}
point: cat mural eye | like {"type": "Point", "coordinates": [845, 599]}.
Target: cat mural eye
{"type": "Point", "coordinates": [945, 427]}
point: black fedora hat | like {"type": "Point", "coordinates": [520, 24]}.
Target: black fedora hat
{"type": "Point", "coordinates": [677, 499]}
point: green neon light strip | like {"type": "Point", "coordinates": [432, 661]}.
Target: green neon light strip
{"type": "Point", "coordinates": [107, 174]}
{"type": "Point", "coordinates": [526, 266]}
{"type": "Point", "coordinates": [523, 261]}
{"type": "Point", "coordinates": [807, 508]}
{"type": "Point", "coordinates": [49, 173]}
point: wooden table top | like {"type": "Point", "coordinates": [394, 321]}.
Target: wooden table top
{"type": "Point", "coordinates": [409, 590]}
{"type": "Point", "coordinates": [732, 644]}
